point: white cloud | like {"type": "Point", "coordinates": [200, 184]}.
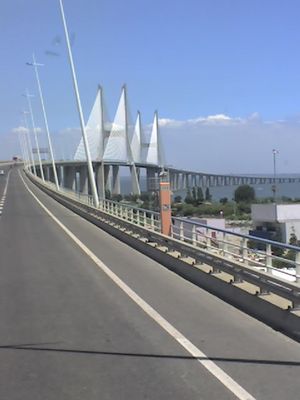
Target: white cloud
{"type": "Point", "coordinates": [23, 129]}
{"type": "Point", "coordinates": [224, 144]}
{"type": "Point", "coordinates": [20, 129]}
{"type": "Point", "coordinates": [217, 119]}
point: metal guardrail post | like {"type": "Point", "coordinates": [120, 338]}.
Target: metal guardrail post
{"type": "Point", "coordinates": [245, 251]}
{"type": "Point", "coordinates": [208, 238]}
{"type": "Point", "coordinates": [152, 222]}
{"type": "Point", "coordinates": [224, 244]}
{"type": "Point", "coordinates": [268, 257]}
{"type": "Point", "coordinates": [181, 233]}
{"type": "Point", "coordinates": [172, 231]}
{"type": "Point", "coordinates": [194, 235]}
{"type": "Point", "coordinates": [130, 214]}
{"type": "Point", "coordinates": [297, 261]}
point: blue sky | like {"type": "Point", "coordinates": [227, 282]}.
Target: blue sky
{"type": "Point", "coordinates": [186, 58]}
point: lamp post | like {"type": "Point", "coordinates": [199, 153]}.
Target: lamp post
{"type": "Point", "coordinates": [27, 136]}
{"type": "Point", "coordinates": [274, 188]}
{"type": "Point", "coordinates": [80, 112]}
{"type": "Point", "coordinates": [35, 65]}
{"type": "Point", "coordinates": [22, 147]}
{"type": "Point", "coordinates": [28, 96]}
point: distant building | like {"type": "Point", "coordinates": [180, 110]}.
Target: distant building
{"type": "Point", "coordinates": [275, 221]}
{"type": "Point", "coordinates": [218, 223]}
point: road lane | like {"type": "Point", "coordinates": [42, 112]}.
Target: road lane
{"type": "Point", "coordinates": [263, 361]}
{"type": "Point", "coordinates": [4, 177]}
{"type": "Point", "coordinates": [68, 332]}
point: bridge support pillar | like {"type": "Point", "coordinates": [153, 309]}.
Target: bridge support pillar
{"type": "Point", "coordinates": [60, 175]}
{"type": "Point", "coordinates": [100, 179]}
{"type": "Point", "coordinates": [69, 177]}
{"type": "Point", "coordinates": [193, 180]}
{"type": "Point", "coordinates": [135, 184]}
{"type": "Point", "coordinates": [107, 180]}
{"type": "Point", "coordinates": [46, 173]}
{"type": "Point", "coordinates": [51, 175]}
{"type": "Point", "coordinates": [116, 187]}
{"type": "Point", "coordinates": [187, 181]}
{"type": "Point", "coordinates": [150, 174]}
{"type": "Point", "coordinates": [172, 181]}
{"type": "Point", "coordinates": [83, 180]}
{"type": "Point", "coordinates": [177, 176]}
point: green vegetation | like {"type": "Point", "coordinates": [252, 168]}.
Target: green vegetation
{"type": "Point", "coordinates": [244, 193]}
{"type": "Point", "coordinates": [288, 255]}
{"type": "Point", "coordinates": [197, 204]}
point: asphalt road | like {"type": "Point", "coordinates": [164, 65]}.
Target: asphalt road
{"type": "Point", "coordinates": [69, 332]}
{"type": "Point", "coordinates": [3, 180]}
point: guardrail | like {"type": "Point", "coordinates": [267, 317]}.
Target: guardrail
{"type": "Point", "coordinates": [249, 250]}
{"type": "Point", "coordinates": [246, 258]}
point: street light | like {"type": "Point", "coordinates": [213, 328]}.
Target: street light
{"type": "Point", "coordinates": [27, 136]}
{"type": "Point", "coordinates": [36, 65]}
{"type": "Point", "coordinates": [28, 96]}
{"type": "Point", "coordinates": [79, 107]}
{"type": "Point", "coordinates": [274, 187]}
{"type": "Point", "coordinates": [23, 150]}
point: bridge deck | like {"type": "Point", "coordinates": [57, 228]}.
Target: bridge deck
{"type": "Point", "coordinates": [69, 332]}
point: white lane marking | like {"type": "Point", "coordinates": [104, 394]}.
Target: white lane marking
{"type": "Point", "coordinates": [4, 193]}
{"type": "Point", "coordinates": [201, 357]}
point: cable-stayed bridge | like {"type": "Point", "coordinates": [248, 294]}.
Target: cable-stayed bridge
{"type": "Point", "coordinates": [123, 143]}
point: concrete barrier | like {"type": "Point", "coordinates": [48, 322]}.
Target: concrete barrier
{"type": "Point", "coordinates": [281, 320]}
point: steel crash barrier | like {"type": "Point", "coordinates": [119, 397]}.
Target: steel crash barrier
{"type": "Point", "coordinates": [237, 258]}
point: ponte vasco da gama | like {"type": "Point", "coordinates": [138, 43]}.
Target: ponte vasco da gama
{"type": "Point", "coordinates": [122, 143]}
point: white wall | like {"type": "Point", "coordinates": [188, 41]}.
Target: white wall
{"type": "Point", "coordinates": [263, 212]}
{"type": "Point", "coordinates": [272, 212]}
{"type": "Point", "coordinates": [287, 212]}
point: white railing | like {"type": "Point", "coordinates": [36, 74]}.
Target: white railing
{"type": "Point", "coordinates": [248, 251]}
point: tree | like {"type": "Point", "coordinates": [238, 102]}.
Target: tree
{"type": "Point", "coordinates": [224, 200]}
{"type": "Point", "coordinates": [291, 254]}
{"type": "Point", "coordinates": [194, 194]}
{"type": "Point", "coordinates": [200, 196]}
{"type": "Point", "coordinates": [145, 196]}
{"type": "Point", "coordinates": [177, 199]}
{"type": "Point", "coordinates": [189, 198]}
{"type": "Point", "coordinates": [117, 197]}
{"type": "Point", "coordinates": [244, 193]}
{"type": "Point", "coordinates": [188, 210]}
{"type": "Point", "coordinates": [207, 194]}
